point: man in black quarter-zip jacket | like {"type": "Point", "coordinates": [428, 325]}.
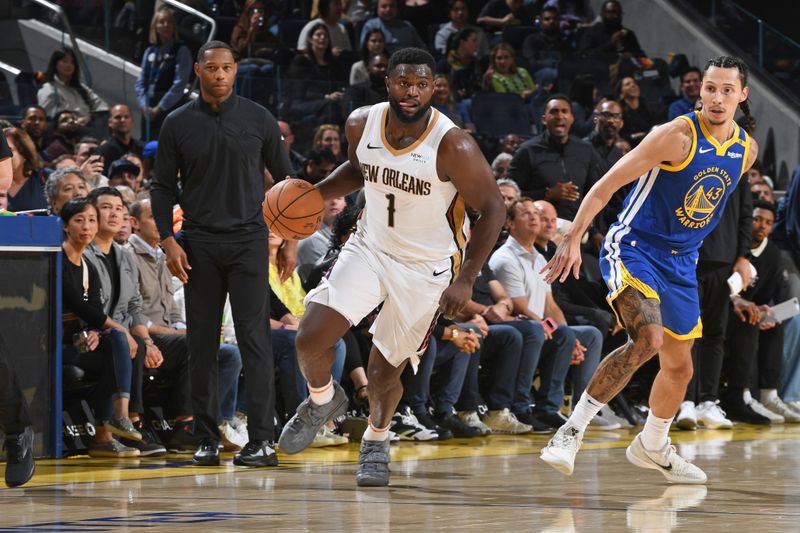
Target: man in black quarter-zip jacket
{"type": "Point", "coordinates": [218, 147]}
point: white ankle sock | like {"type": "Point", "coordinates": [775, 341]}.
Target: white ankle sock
{"type": "Point", "coordinates": [747, 397]}
{"type": "Point", "coordinates": [584, 411]}
{"type": "Point", "coordinates": [373, 433]}
{"type": "Point", "coordinates": [322, 395]}
{"type": "Point", "coordinates": [767, 395]}
{"type": "Point", "coordinates": [654, 434]}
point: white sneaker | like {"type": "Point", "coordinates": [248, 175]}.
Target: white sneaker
{"type": "Point", "coordinates": [230, 438]}
{"type": "Point", "coordinates": [472, 419]}
{"type": "Point", "coordinates": [326, 437]}
{"type": "Point", "coordinates": [761, 409]}
{"type": "Point", "coordinates": [794, 406]}
{"type": "Point", "coordinates": [687, 416]}
{"type": "Point", "coordinates": [504, 421]}
{"type": "Point", "coordinates": [609, 414]}
{"type": "Point", "coordinates": [667, 461]}
{"type": "Point", "coordinates": [710, 415]}
{"type": "Point", "coordinates": [407, 427]}
{"type": "Point", "coordinates": [239, 424]}
{"type": "Point", "coordinates": [779, 407]}
{"type": "Point", "coordinates": [601, 423]}
{"type": "Point", "coordinates": [560, 452]}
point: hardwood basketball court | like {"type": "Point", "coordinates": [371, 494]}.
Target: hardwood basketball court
{"type": "Point", "coordinates": [495, 483]}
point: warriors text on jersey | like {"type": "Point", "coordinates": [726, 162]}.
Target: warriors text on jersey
{"type": "Point", "coordinates": [410, 213]}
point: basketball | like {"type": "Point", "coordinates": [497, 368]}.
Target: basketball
{"type": "Point", "coordinates": [293, 209]}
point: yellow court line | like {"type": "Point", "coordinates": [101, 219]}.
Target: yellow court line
{"type": "Point", "coordinates": [81, 469]}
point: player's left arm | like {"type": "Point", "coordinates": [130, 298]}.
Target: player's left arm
{"type": "Point", "coordinates": [745, 222]}
{"type": "Point", "coordinates": [461, 162]}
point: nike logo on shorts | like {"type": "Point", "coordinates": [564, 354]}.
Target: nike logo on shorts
{"type": "Point", "coordinates": [439, 273]}
{"type": "Point", "coordinates": [370, 147]}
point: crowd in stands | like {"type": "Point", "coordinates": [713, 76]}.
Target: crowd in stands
{"type": "Point", "coordinates": [590, 94]}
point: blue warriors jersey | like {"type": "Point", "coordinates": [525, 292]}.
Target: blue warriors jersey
{"type": "Point", "coordinates": [673, 208]}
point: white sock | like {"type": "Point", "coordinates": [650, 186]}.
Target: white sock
{"type": "Point", "coordinates": [747, 397]}
{"type": "Point", "coordinates": [654, 434]}
{"type": "Point", "coordinates": [373, 433]}
{"type": "Point", "coordinates": [767, 395]}
{"type": "Point", "coordinates": [583, 413]}
{"type": "Point", "coordinates": [322, 395]}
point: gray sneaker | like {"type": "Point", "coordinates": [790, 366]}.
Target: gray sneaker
{"type": "Point", "coordinates": [373, 464]}
{"type": "Point", "coordinates": [299, 432]}
{"type": "Point", "coordinates": [122, 427]}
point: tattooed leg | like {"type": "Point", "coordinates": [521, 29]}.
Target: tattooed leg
{"type": "Point", "coordinates": [670, 384]}
{"type": "Point", "coordinates": [642, 319]}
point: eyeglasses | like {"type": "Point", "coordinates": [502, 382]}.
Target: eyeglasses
{"type": "Point", "coordinates": [608, 115]}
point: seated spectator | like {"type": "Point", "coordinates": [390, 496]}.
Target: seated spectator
{"type": "Point", "coordinates": [756, 173]}
{"type": "Point", "coordinates": [63, 90]}
{"type": "Point", "coordinates": [252, 40]}
{"type": "Point", "coordinates": [398, 33]}
{"type": "Point", "coordinates": [637, 118]}
{"type": "Point", "coordinates": [500, 165]}
{"type": "Point", "coordinates": [34, 123]}
{"type": "Point", "coordinates": [124, 172]}
{"type": "Point", "coordinates": [166, 68]}
{"type": "Point", "coordinates": [461, 64]}
{"type": "Point", "coordinates": [92, 340]}
{"type": "Point", "coordinates": [500, 14]}
{"type": "Point", "coordinates": [314, 248]}
{"type": "Point", "coordinates": [504, 76]}
{"type": "Point", "coordinates": [443, 100]}
{"type": "Point", "coordinates": [545, 49]}
{"type": "Point", "coordinates": [608, 39]}
{"type": "Point", "coordinates": [66, 134]}
{"type": "Point", "coordinates": [373, 91]}
{"type": "Point", "coordinates": [344, 224]}
{"type": "Point", "coordinates": [373, 45]}
{"type": "Point", "coordinates": [121, 142]}
{"type": "Point", "coordinates": [63, 161]}
{"type": "Point", "coordinates": [330, 136]}
{"type": "Point", "coordinates": [574, 13]}
{"type": "Point", "coordinates": [762, 191]}
{"type": "Point", "coordinates": [691, 80]}
{"type": "Point", "coordinates": [64, 185]}
{"type": "Point", "coordinates": [582, 93]}
{"type": "Point", "coordinates": [330, 11]}
{"type": "Point", "coordinates": [316, 81]}
{"type": "Point", "coordinates": [753, 341]}
{"type": "Point", "coordinates": [517, 265]}
{"type": "Point", "coordinates": [509, 190]}
{"type": "Point", "coordinates": [459, 19]}
{"type": "Point", "coordinates": [119, 278]}
{"type": "Point", "coordinates": [319, 164]}
{"type": "Point", "coordinates": [510, 142]}
{"type": "Point", "coordinates": [124, 233]}
{"type": "Point", "coordinates": [295, 158]}
{"type": "Point", "coordinates": [27, 188]}
{"type": "Point", "coordinates": [555, 165]}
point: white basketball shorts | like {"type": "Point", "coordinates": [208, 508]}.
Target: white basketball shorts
{"type": "Point", "coordinates": [363, 278]}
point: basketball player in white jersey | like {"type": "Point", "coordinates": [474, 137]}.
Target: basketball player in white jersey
{"type": "Point", "coordinates": [419, 171]}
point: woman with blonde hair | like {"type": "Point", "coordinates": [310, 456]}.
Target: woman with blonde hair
{"type": "Point", "coordinates": [504, 76]}
{"type": "Point", "coordinates": [27, 186]}
{"type": "Point", "coordinates": [166, 68]}
{"type": "Point", "coordinates": [330, 137]}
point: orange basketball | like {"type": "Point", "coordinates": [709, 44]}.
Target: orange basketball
{"type": "Point", "coordinates": [293, 209]}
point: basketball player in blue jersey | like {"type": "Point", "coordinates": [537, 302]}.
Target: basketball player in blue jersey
{"type": "Point", "coordinates": [418, 171]}
{"type": "Point", "coordinates": [686, 170]}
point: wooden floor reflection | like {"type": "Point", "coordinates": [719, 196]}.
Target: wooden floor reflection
{"type": "Point", "coordinates": [495, 483]}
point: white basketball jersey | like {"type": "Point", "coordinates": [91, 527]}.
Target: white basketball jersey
{"type": "Point", "coordinates": [410, 213]}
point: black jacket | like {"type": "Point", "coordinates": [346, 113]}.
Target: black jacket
{"type": "Point", "coordinates": [540, 163]}
{"type": "Point", "coordinates": [771, 285]}
{"type": "Point", "coordinates": [733, 235]}
{"type": "Point", "coordinates": [220, 158]}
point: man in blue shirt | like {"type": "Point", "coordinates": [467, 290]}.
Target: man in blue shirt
{"type": "Point", "coordinates": [690, 90]}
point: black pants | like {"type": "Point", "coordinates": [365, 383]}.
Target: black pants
{"type": "Point", "coordinates": [14, 416]}
{"type": "Point", "coordinates": [708, 351]}
{"type": "Point", "coordinates": [753, 353]}
{"type": "Point", "coordinates": [239, 269]}
{"type": "Point", "coordinates": [175, 350]}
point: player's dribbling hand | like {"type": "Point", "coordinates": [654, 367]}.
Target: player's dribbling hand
{"type": "Point", "coordinates": [177, 262]}
{"type": "Point", "coordinates": [454, 298]}
{"type": "Point", "coordinates": [567, 258]}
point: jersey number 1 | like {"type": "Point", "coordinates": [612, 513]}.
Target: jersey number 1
{"type": "Point", "coordinates": [390, 208]}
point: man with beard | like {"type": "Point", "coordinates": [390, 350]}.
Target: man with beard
{"type": "Point", "coordinates": [555, 166]}
{"type": "Point", "coordinates": [66, 134]}
{"type": "Point", "coordinates": [607, 38]}
{"type": "Point", "coordinates": [34, 122]}
{"type": "Point", "coordinates": [545, 48]}
{"type": "Point", "coordinates": [419, 172]}
{"type": "Point", "coordinates": [691, 80]}
{"type": "Point", "coordinates": [373, 91]}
